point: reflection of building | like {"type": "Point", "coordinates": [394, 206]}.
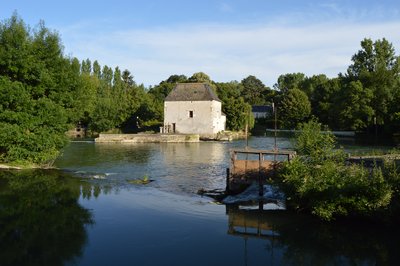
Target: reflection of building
{"type": "Point", "coordinates": [208, 153]}
{"type": "Point", "coordinates": [261, 111]}
{"type": "Point", "coordinates": [193, 108]}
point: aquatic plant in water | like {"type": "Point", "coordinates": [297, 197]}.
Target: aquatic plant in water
{"type": "Point", "coordinates": [140, 181]}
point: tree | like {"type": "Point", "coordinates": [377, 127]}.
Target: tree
{"type": "Point", "coordinates": [254, 91]}
{"type": "Point", "coordinates": [323, 98]}
{"type": "Point", "coordinates": [86, 66]}
{"type": "Point", "coordinates": [238, 114]}
{"type": "Point", "coordinates": [200, 77]}
{"type": "Point", "coordinates": [96, 69]}
{"type": "Point", "coordinates": [107, 75]}
{"type": "Point", "coordinates": [294, 108]}
{"type": "Point", "coordinates": [127, 78]}
{"type": "Point", "coordinates": [378, 69]}
{"type": "Point", "coordinates": [354, 106]}
{"type": "Point", "coordinates": [289, 81]}
{"type": "Point", "coordinates": [15, 54]}
{"type": "Point", "coordinates": [177, 79]}
{"type": "Point", "coordinates": [226, 90]}
{"type": "Point", "coordinates": [35, 93]}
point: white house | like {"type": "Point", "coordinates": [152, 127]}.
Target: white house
{"type": "Point", "coordinates": [193, 108]}
{"type": "Point", "coordinates": [262, 111]}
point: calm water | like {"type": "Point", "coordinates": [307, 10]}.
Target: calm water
{"type": "Point", "coordinates": [89, 214]}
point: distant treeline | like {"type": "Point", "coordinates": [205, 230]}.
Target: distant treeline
{"type": "Point", "coordinates": [44, 92]}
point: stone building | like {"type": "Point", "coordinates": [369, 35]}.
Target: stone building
{"type": "Point", "coordinates": [262, 111]}
{"type": "Point", "coordinates": [193, 108]}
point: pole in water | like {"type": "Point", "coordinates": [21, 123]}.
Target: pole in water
{"type": "Point", "coordinates": [274, 111]}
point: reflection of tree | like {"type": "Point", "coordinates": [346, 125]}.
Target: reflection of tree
{"type": "Point", "coordinates": [89, 154]}
{"type": "Point", "coordinates": [41, 221]}
{"type": "Point", "coordinates": [305, 240]}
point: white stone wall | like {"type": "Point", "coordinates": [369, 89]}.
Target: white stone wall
{"type": "Point", "coordinates": [260, 114]}
{"type": "Point", "coordinates": [207, 117]}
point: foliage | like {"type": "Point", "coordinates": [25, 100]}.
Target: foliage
{"type": "Point", "coordinates": [323, 98]}
{"type": "Point", "coordinates": [294, 108]}
{"type": "Point", "coordinates": [315, 144]}
{"type": "Point", "coordinates": [320, 182]}
{"type": "Point", "coordinates": [200, 77]}
{"type": "Point", "coordinates": [255, 92]}
{"type": "Point", "coordinates": [226, 90]}
{"type": "Point", "coordinates": [378, 69]}
{"type": "Point", "coordinates": [44, 93]}
{"type": "Point", "coordinates": [354, 106]}
{"type": "Point", "coordinates": [289, 81]}
{"type": "Point", "coordinates": [238, 114]}
{"type": "Point", "coordinates": [34, 93]}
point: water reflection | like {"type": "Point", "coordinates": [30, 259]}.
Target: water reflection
{"type": "Point", "coordinates": [90, 154]}
{"type": "Point", "coordinates": [41, 221]}
{"type": "Point", "coordinates": [293, 239]}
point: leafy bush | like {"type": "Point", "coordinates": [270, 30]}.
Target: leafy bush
{"type": "Point", "coordinates": [321, 183]}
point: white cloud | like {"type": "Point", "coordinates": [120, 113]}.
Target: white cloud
{"type": "Point", "coordinates": [229, 52]}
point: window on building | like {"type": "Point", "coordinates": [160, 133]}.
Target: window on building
{"type": "Point", "coordinates": [191, 114]}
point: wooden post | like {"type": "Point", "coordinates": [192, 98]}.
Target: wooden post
{"type": "Point", "coordinates": [227, 189]}
{"type": "Point", "coordinates": [260, 183]}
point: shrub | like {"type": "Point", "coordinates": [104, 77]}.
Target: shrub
{"type": "Point", "coordinates": [321, 183]}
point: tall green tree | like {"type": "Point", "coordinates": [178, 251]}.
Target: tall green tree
{"type": "Point", "coordinates": [238, 114]}
{"type": "Point", "coordinates": [324, 98]}
{"type": "Point", "coordinates": [294, 108]}
{"type": "Point", "coordinates": [377, 67]}
{"type": "Point", "coordinates": [96, 69]}
{"type": "Point", "coordinates": [35, 93]}
{"type": "Point", "coordinates": [255, 92]}
{"type": "Point", "coordinates": [86, 66]}
{"type": "Point", "coordinates": [289, 81]}
{"type": "Point", "coordinates": [226, 90]}
{"type": "Point", "coordinates": [353, 107]}
{"type": "Point", "coordinates": [200, 77]}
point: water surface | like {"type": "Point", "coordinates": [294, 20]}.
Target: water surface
{"type": "Point", "coordinates": [89, 214]}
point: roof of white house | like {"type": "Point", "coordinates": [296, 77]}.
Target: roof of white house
{"type": "Point", "coordinates": [192, 92]}
{"type": "Point", "coordinates": [261, 109]}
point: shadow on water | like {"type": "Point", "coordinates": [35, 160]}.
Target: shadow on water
{"type": "Point", "coordinates": [303, 240]}
{"type": "Point", "coordinates": [41, 220]}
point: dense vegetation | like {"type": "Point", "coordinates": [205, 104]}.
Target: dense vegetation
{"type": "Point", "coordinates": [43, 93]}
{"type": "Point", "coordinates": [320, 181]}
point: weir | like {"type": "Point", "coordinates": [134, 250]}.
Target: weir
{"type": "Point", "coordinates": [252, 165]}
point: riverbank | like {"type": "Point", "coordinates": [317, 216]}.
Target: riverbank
{"type": "Point", "coordinates": [23, 166]}
{"type": "Point", "coordinates": [147, 138]}
{"type": "Point", "coordinates": [168, 138]}
{"type": "Point", "coordinates": [9, 167]}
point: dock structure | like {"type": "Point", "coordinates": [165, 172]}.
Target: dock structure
{"type": "Point", "coordinates": [252, 165]}
{"type": "Point", "coordinates": [147, 138]}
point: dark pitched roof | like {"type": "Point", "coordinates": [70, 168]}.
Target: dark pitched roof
{"type": "Point", "coordinates": [261, 109]}
{"type": "Point", "coordinates": [192, 92]}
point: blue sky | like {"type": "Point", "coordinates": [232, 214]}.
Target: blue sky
{"type": "Point", "coordinates": [228, 40]}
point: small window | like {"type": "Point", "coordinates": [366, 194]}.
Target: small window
{"type": "Point", "coordinates": [191, 114]}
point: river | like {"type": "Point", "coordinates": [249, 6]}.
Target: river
{"type": "Point", "coordinates": [89, 213]}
